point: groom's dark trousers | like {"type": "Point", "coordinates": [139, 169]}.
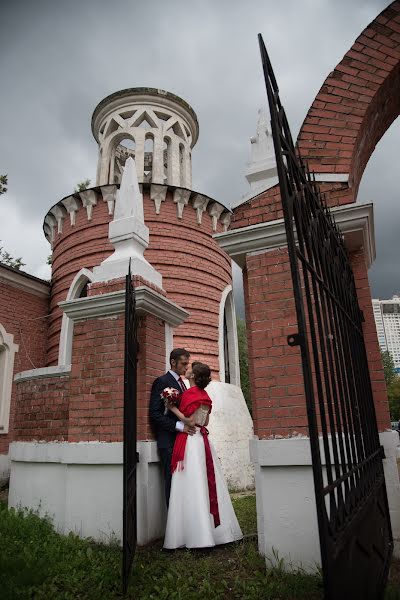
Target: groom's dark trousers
{"type": "Point", "coordinates": [164, 426]}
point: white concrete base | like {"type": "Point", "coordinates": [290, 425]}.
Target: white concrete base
{"type": "Point", "coordinates": [79, 485]}
{"type": "Point", "coordinates": [231, 429]}
{"type": "Point", "coordinates": [4, 467]}
{"type": "Point", "coordinates": [390, 440]}
{"type": "Point", "coordinates": [286, 512]}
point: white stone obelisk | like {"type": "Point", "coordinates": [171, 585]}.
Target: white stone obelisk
{"type": "Point", "coordinates": [128, 233]}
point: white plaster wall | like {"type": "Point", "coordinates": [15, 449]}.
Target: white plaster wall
{"type": "Point", "coordinates": [390, 442]}
{"type": "Point", "coordinates": [79, 486]}
{"type": "Point", "coordinates": [286, 511]}
{"type": "Point", "coordinates": [231, 429]}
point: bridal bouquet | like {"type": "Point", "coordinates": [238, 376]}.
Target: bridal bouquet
{"type": "Point", "coordinates": [170, 396]}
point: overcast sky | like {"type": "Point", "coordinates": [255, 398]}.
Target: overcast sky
{"type": "Point", "coordinates": [58, 59]}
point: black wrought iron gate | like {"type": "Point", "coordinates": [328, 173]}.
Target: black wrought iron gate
{"type": "Point", "coordinates": [129, 444]}
{"type": "Point", "coordinates": [352, 508]}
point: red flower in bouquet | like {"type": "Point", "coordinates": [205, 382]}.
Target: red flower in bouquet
{"type": "Point", "coordinates": [171, 396]}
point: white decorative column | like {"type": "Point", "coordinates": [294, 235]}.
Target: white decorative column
{"type": "Point", "coordinates": [157, 173]}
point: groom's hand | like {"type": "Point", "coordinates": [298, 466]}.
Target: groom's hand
{"type": "Point", "coordinates": [189, 429]}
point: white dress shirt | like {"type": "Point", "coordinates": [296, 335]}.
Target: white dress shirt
{"type": "Point", "coordinates": [179, 426]}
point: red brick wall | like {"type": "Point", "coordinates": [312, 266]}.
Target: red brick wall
{"type": "Point", "coordinates": [357, 103]}
{"type": "Point", "coordinates": [195, 270]}
{"type": "Point", "coordinates": [275, 368]}
{"type": "Point", "coordinates": [24, 315]}
{"type": "Point", "coordinates": [87, 405]}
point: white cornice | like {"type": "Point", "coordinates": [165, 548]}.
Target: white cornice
{"type": "Point", "coordinates": [356, 222]}
{"type": "Point", "coordinates": [148, 301]}
{"type": "Point", "coordinates": [23, 280]}
{"type": "Point", "coordinates": [55, 371]}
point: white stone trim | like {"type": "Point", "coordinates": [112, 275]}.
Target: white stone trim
{"type": "Point", "coordinates": [147, 301]}
{"type": "Point", "coordinates": [24, 281]}
{"type": "Point", "coordinates": [332, 177]}
{"type": "Point", "coordinates": [227, 305]}
{"type": "Point", "coordinates": [55, 371]}
{"type": "Point", "coordinates": [79, 486]}
{"type": "Point", "coordinates": [67, 326]}
{"type": "Point", "coordinates": [7, 355]}
{"type": "Point", "coordinates": [169, 344]}
{"type": "Point", "coordinates": [356, 222]}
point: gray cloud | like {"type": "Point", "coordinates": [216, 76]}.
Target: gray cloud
{"type": "Point", "coordinates": [59, 59]}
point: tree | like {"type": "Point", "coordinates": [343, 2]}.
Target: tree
{"type": "Point", "coordinates": [82, 186]}
{"type": "Point", "coordinates": [394, 399]}
{"type": "Point", "coordinates": [244, 362]}
{"type": "Point", "coordinates": [388, 367]}
{"type": "Point", "coordinates": [5, 257]}
{"type": "Point", "coordinates": [3, 183]}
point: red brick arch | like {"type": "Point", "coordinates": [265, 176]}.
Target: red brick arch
{"type": "Point", "coordinates": [355, 106]}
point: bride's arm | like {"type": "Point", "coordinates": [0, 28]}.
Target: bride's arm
{"type": "Point", "coordinates": [180, 415]}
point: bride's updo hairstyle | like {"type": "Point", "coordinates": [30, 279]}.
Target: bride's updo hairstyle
{"type": "Point", "coordinates": [201, 374]}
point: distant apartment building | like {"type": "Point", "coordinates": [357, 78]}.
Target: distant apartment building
{"type": "Point", "coordinates": [387, 320]}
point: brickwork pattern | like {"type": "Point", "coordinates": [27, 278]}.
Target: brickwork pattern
{"type": "Point", "coordinates": [24, 315]}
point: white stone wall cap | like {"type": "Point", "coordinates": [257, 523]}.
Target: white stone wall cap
{"type": "Point", "coordinates": [28, 282]}
{"type": "Point", "coordinates": [112, 303]}
{"type": "Point", "coordinates": [356, 222]}
{"type": "Point", "coordinates": [54, 371]}
{"type": "Point", "coordinates": [89, 453]}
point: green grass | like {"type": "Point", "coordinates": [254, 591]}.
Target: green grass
{"type": "Point", "coordinates": [37, 563]}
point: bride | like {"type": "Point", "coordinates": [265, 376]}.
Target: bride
{"type": "Point", "coordinates": [200, 510]}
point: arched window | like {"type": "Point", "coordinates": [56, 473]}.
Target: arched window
{"type": "Point", "coordinates": [167, 158]}
{"type": "Point", "coordinates": [78, 289]}
{"type": "Point", "coordinates": [7, 354]}
{"type": "Point", "coordinates": [148, 156]}
{"type": "Point", "coordinates": [123, 150]}
{"type": "Point", "coordinates": [229, 371]}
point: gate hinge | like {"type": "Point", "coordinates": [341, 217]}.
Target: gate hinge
{"type": "Point", "coordinates": [294, 339]}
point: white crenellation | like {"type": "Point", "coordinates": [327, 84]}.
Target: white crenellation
{"type": "Point", "coordinates": [109, 192]}
{"type": "Point", "coordinates": [158, 194]}
{"type": "Point", "coordinates": [200, 204]}
{"type": "Point", "coordinates": [226, 220]}
{"type": "Point", "coordinates": [89, 199]}
{"type": "Point", "coordinates": [181, 199]}
{"type": "Point", "coordinates": [215, 210]}
{"type": "Point", "coordinates": [72, 205]}
{"type": "Point", "coordinates": [59, 212]}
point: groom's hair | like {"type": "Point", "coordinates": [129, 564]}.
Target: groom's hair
{"type": "Point", "coordinates": [177, 353]}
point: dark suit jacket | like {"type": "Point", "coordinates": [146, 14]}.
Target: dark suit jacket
{"type": "Point", "coordinates": [164, 425]}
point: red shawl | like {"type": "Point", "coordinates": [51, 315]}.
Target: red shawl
{"type": "Point", "coordinates": [191, 400]}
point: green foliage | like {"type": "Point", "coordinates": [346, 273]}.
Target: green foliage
{"type": "Point", "coordinates": [388, 367]}
{"type": "Point", "coordinates": [3, 184]}
{"type": "Point", "coordinates": [36, 562]}
{"type": "Point", "coordinates": [9, 260]}
{"type": "Point", "coordinates": [5, 257]}
{"type": "Point", "coordinates": [49, 259]}
{"type": "Point", "coordinates": [244, 361]}
{"type": "Point", "coordinates": [394, 399]}
{"type": "Point", "coordinates": [82, 186]}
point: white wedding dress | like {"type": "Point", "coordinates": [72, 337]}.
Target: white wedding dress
{"type": "Point", "coordinates": [189, 522]}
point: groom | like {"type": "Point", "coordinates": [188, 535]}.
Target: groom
{"type": "Point", "coordinates": [167, 425]}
